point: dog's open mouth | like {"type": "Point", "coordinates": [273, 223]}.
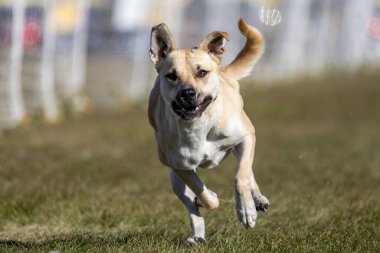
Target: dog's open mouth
{"type": "Point", "coordinates": [188, 112]}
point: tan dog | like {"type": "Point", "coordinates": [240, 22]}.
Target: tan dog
{"type": "Point", "coordinates": [197, 114]}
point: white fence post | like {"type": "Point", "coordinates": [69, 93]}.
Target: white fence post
{"type": "Point", "coordinates": [320, 38]}
{"type": "Point", "coordinates": [140, 66]}
{"type": "Point", "coordinates": [354, 36]}
{"type": "Point", "coordinates": [16, 102]}
{"type": "Point", "coordinates": [76, 81]}
{"type": "Point", "coordinates": [48, 94]}
{"type": "Point", "coordinates": [292, 49]}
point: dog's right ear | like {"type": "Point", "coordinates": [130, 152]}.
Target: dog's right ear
{"type": "Point", "coordinates": [161, 43]}
{"type": "Point", "coordinates": [214, 44]}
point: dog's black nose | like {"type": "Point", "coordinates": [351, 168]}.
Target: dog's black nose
{"type": "Point", "coordinates": [188, 95]}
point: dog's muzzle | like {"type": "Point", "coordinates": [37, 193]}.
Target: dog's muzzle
{"type": "Point", "coordinates": [187, 104]}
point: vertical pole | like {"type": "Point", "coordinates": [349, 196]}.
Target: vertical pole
{"type": "Point", "coordinates": [318, 44]}
{"type": "Point", "coordinates": [17, 107]}
{"type": "Point", "coordinates": [354, 37]}
{"type": "Point", "coordinates": [140, 67]}
{"type": "Point", "coordinates": [294, 38]}
{"type": "Point", "coordinates": [48, 96]}
{"type": "Point", "coordinates": [79, 53]}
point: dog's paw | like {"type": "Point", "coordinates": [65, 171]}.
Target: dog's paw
{"type": "Point", "coordinates": [246, 210]}
{"type": "Point", "coordinates": [199, 203]}
{"type": "Point", "coordinates": [261, 202]}
{"type": "Point", "coordinates": [195, 241]}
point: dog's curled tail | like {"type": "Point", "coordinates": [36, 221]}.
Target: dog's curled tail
{"type": "Point", "coordinates": [242, 65]}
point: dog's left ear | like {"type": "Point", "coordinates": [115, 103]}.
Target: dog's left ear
{"type": "Point", "coordinates": [161, 43]}
{"type": "Point", "coordinates": [214, 44]}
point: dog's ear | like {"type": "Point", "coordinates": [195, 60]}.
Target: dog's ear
{"type": "Point", "coordinates": [214, 44]}
{"type": "Point", "coordinates": [161, 43]}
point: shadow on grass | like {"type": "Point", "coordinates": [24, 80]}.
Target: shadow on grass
{"type": "Point", "coordinates": [133, 240]}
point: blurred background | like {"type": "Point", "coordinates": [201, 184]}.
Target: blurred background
{"type": "Point", "coordinates": [59, 56]}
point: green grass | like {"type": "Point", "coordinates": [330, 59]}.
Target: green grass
{"type": "Point", "coordinates": [94, 184]}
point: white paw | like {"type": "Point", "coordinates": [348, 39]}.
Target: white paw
{"type": "Point", "coordinates": [261, 202]}
{"type": "Point", "coordinates": [246, 210]}
{"type": "Point", "coordinates": [195, 241]}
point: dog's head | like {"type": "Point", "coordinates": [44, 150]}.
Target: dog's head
{"type": "Point", "coordinates": [189, 80]}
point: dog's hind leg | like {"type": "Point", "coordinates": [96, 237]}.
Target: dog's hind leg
{"type": "Point", "coordinates": [188, 198]}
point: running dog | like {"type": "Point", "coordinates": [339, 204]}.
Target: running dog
{"type": "Point", "coordinates": [196, 110]}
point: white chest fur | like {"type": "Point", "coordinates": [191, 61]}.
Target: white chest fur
{"type": "Point", "coordinates": [202, 145]}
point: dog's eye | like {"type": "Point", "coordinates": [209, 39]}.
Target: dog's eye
{"type": "Point", "coordinates": [202, 73]}
{"type": "Point", "coordinates": [172, 77]}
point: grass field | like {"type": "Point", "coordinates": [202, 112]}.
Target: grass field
{"type": "Point", "coordinates": [94, 184]}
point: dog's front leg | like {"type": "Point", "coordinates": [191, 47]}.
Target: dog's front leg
{"type": "Point", "coordinates": [187, 196]}
{"type": "Point", "coordinates": [207, 198]}
{"type": "Point", "coordinates": [247, 192]}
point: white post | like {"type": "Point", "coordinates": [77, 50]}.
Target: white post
{"type": "Point", "coordinates": [354, 37]}
{"type": "Point", "coordinates": [17, 107]}
{"type": "Point", "coordinates": [292, 52]}
{"type": "Point", "coordinates": [131, 15]}
{"type": "Point", "coordinates": [76, 82]}
{"type": "Point", "coordinates": [140, 67]}
{"type": "Point", "coordinates": [48, 95]}
{"type": "Point", "coordinates": [319, 39]}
